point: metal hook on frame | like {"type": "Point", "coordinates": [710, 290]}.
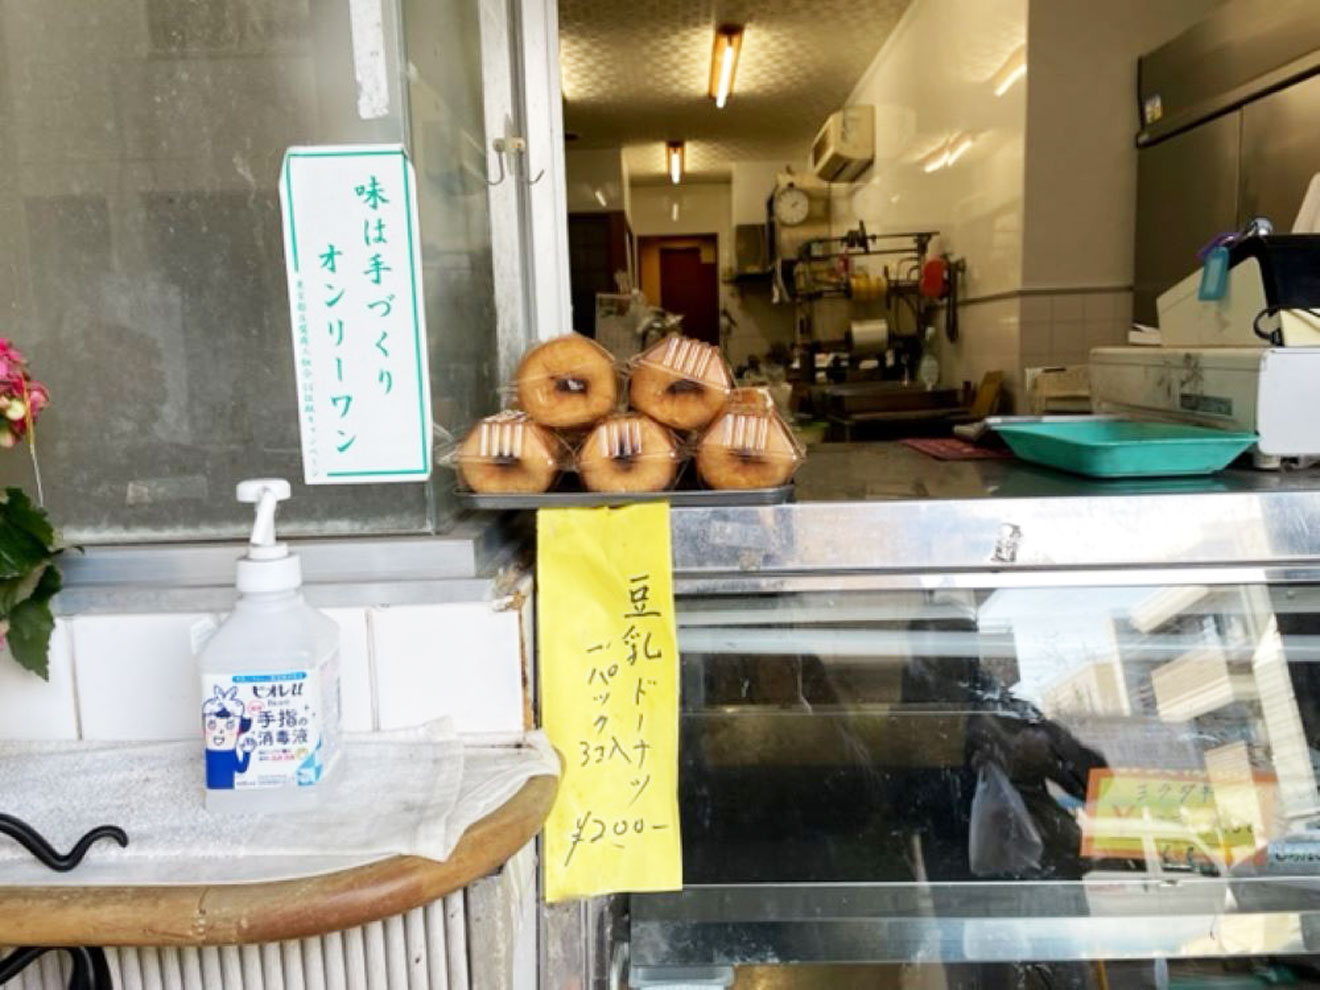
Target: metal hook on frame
{"type": "Point", "coordinates": [516, 146]}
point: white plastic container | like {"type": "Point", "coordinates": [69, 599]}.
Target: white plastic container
{"type": "Point", "coordinates": [270, 680]}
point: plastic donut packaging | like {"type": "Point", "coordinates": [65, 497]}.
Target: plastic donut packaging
{"type": "Point", "coordinates": [748, 446]}
{"type": "Point", "coordinates": [681, 383]}
{"type": "Point", "coordinates": [628, 453]}
{"type": "Point", "coordinates": [508, 452]}
{"type": "Point", "coordinates": [567, 383]}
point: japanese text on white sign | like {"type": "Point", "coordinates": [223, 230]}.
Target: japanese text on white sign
{"type": "Point", "coordinates": [351, 247]}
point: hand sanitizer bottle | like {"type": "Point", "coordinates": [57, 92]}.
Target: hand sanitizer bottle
{"type": "Point", "coordinates": [270, 680]}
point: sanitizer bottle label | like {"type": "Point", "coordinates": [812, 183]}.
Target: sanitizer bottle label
{"type": "Point", "coordinates": [267, 730]}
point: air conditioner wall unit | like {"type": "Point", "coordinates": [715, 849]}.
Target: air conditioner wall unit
{"type": "Point", "coordinates": [845, 147]}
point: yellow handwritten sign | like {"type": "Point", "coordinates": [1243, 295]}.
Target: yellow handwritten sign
{"type": "Point", "coordinates": [609, 699]}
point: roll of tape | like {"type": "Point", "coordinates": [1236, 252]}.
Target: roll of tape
{"type": "Point", "coordinates": [868, 336]}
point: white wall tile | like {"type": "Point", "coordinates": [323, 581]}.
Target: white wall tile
{"type": "Point", "coordinates": [1098, 307]}
{"type": "Point", "coordinates": [31, 708]}
{"type": "Point", "coordinates": [116, 656]}
{"type": "Point", "coordinates": [356, 694]}
{"type": "Point", "coordinates": [460, 660]}
{"type": "Point", "coordinates": [1066, 306]}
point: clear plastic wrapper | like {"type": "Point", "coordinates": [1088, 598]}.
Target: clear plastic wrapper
{"type": "Point", "coordinates": [567, 383]}
{"type": "Point", "coordinates": [680, 382]}
{"type": "Point", "coordinates": [509, 453]}
{"type": "Point", "coordinates": [629, 453]}
{"type": "Point", "coordinates": [749, 445]}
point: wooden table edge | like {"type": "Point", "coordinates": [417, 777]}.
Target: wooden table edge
{"type": "Point", "coordinates": [271, 911]}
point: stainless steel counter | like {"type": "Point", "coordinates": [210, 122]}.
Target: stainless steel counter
{"type": "Point", "coordinates": [868, 472]}
{"type": "Point", "coordinates": [874, 515]}
{"type": "Point", "coordinates": [844, 654]}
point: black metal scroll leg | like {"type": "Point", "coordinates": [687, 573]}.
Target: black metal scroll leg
{"type": "Point", "coordinates": [35, 843]}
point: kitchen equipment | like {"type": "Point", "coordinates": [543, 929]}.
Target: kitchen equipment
{"type": "Point", "coordinates": [1268, 391]}
{"type": "Point", "coordinates": [1272, 296]}
{"type": "Point", "coordinates": [1112, 448]}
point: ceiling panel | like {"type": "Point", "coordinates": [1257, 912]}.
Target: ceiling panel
{"type": "Point", "coordinates": [635, 74]}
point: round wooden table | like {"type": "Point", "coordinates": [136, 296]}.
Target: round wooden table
{"type": "Point", "coordinates": [241, 913]}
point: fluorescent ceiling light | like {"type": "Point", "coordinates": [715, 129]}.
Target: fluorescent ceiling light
{"type": "Point", "coordinates": [936, 161]}
{"type": "Point", "coordinates": [600, 197]}
{"type": "Point", "coordinates": [1013, 69]}
{"type": "Point", "coordinates": [673, 212]}
{"type": "Point", "coordinates": [958, 149]}
{"type": "Point", "coordinates": [724, 62]}
{"type": "Point", "coordinates": [674, 154]}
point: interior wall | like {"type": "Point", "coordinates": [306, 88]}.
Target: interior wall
{"type": "Point", "coordinates": [1081, 168]}
{"type": "Point", "coordinates": [593, 175]}
{"type": "Point", "coordinates": [931, 83]}
{"type": "Point", "coordinates": [707, 208]}
{"type": "Point", "coordinates": [1081, 164]}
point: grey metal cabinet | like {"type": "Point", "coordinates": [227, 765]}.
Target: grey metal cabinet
{"type": "Point", "coordinates": [1280, 153]}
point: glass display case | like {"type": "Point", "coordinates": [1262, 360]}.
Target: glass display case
{"type": "Point", "coordinates": [1038, 733]}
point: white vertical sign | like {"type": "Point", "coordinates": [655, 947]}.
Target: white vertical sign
{"type": "Point", "coordinates": [352, 248]}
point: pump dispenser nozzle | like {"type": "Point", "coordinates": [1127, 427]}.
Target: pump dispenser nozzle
{"type": "Point", "coordinates": [268, 565]}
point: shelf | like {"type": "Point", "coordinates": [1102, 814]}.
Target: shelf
{"type": "Point", "coordinates": [232, 914]}
{"type": "Point", "coordinates": [976, 922]}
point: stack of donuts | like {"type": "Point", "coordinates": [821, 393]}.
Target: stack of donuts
{"type": "Point", "coordinates": [679, 400]}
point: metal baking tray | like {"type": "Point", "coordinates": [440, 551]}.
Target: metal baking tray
{"type": "Point", "coordinates": [678, 497]}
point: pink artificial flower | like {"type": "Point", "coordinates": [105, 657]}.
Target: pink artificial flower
{"type": "Point", "coordinates": [38, 397]}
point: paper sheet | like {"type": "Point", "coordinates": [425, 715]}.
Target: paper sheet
{"type": "Point", "coordinates": [609, 699]}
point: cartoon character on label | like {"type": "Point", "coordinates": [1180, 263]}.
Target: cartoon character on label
{"type": "Point", "coordinates": [228, 745]}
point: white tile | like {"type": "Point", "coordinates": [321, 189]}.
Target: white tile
{"type": "Point", "coordinates": [1036, 309]}
{"type": "Point", "coordinates": [31, 708]}
{"type": "Point", "coordinates": [1066, 306]}
{"type": "Point", "coordinates": [1102, 333]}
{"type": "Point", "coordinates": [358, 707]}
{"type": "Point", "coordinates": [137, 676]}
{"type": "Point", "coordinates": [1123, 309]}
{"type": "Point", "coordinates": [1098, 307]}
{"type": "Point", "coordinates": [1067, 338]}
{"type": "Point", "coordinates": [1035, 338]}
{"type": "Point", "coordinates": [460, 660]}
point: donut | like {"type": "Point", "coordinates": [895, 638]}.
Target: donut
{"type": "Point", "coordinates": [681, 383]}
{"type": "Point", "coordinates": [508, 453]}
{"type": "Point", "coordinates": [567, 382]}
{"type": "Point", "coordinates": [747, 449]}
{"type": "Point", "coordinates": [630, 453]}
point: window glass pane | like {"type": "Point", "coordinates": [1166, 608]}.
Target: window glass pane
{"type": "Point", "coordinates": [143, 267]}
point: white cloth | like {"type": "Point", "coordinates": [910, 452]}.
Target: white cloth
{"type": "Point", "coordinates": [402, 793]}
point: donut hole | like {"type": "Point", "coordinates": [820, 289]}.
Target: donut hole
{"type": "Point", "coordinates": [685, 386]}
{"type": "Point", "coordinates": [505, 461]}
{"type": "Point", "coordinates": [572, 385]}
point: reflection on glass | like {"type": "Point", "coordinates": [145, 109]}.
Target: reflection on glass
{"type": "Point", "coordinates": [1015, 734]}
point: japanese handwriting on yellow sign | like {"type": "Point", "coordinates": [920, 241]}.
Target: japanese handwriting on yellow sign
{"type": "Point", "coordinates": [609, 699]}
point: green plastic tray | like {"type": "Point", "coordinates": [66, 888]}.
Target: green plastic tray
{"type": "Point", "coordinates": [1119, 448]}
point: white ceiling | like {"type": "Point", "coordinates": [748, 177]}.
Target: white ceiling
{"type": "Point", "coordinates": [635, 74]}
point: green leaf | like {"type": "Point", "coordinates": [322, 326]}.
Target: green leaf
{"type": "Point", "coordinates": [19, 589]}
{"type": "Point", "coordinates": [26, 536]}
{"type": "Point", "coordinates": [30, 626]}
{"type": "Point", "coordinates": [22, 513]}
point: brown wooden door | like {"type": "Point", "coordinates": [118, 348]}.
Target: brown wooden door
{"type": "Point", "coordinates": [691, 287]}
